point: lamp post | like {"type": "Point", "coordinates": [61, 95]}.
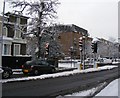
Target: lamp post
{"type": "Point", "coordinates": [1, 44]}
{"type": "Point", "coordinates": [1, 36]}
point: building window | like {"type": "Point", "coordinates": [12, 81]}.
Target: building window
{"type": "Point", "coordinates": [18, 21]}
{"type": "Point", "coordinates": [5, 31]}
{"type": "Point", "coordinates": [6, 49]}
{"type": "Point", "coordinates": [17, 33]}
{"type": "Point", "coordinates": [59, 37]}
{"type": "Point", "coordinates": [16, 49]}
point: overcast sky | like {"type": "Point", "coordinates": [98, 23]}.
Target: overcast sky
{"type": "Point", "coordinates": [99, 17]}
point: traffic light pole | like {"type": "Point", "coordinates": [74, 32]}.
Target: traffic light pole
{"type": "Point", "coordinates": [94, 61]}
{"type": "Point", "coordinates": [82, 50]}
{"type": "Point", "coordinates": [81, 56]}
{"type": "Point", "coordinates": [83, 53]}
{"type": "Point", "coordinates": [94, 50]}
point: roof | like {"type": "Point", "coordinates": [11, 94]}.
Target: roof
{"type": "Point", "coordinates": [16, 15]}
{"type": "Point", "coordinates": [69, 28]}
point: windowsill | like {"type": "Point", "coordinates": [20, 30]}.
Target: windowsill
{"type": "Point", "coordinates": [7, 38]}
{"type": "Point", "coordinates": [23, 55]}
{"type": "Point", "coordinates": [18, 55]}
{"type": "Point", "coordinates": [17, 37]}
{"type": "Point", "coordinates": [6, 55]}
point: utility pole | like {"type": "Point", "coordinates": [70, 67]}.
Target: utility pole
{"type": "Point", "coordinates": [1, 44]}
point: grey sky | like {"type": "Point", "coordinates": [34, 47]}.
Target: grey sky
{"type": "Point", "coordinates": [99, 17]}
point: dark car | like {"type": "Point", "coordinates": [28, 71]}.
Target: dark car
{"type": "Point", "coordinates": [37, 67]}
{"type": "Point", "coordinates": [6, 72]}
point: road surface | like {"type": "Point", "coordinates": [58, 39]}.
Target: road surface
{"type": "Point", "coordinates": [57, 86]}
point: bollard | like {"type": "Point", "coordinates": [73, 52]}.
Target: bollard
{"type": "Point", "coordinates": [81, 66]}
{"type": "Point", "coordinates": [96, 65]}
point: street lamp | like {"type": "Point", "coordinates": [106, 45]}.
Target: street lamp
{"type": "Point", "coordinates": [1, 36]}
{"type": "Point", "coordinates": [1, 43]}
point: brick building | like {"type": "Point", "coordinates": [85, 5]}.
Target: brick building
{"type": "Point", "coordinates": [69, 38]}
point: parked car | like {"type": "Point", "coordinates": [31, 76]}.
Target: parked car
{"type": "Point", "coordinates": [115, 61]}
{"type": "Point", "coordinates": [6, 72]}
{"type": "Point", "coordinates": [89, 60]}
{"type": "Point", "coordinates": [37, 67]}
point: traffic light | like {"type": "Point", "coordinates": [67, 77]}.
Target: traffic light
{"type": "Point", "coordinates": [81, 43]}
{"type": "Point", "coordinates": [94, 47]}
{"type": "Point", "coordinates": [47, 48]}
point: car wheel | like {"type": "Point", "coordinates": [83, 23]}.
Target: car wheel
{"type": "Point", "coordinates": [36, 72]}
{"type": "Point", "coordinates": [5, 74]}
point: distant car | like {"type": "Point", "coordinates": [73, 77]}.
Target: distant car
{"type": "Point", "coordinates": [6, 72]}
{"type": "Point", "coordinates": [104, 60]}
{"type": "Point", "coordinates": [89, 60]}
{"type": "Point", "coordinates": [115, 61]}
{"type": "Point", "coordinates": [37, 67]}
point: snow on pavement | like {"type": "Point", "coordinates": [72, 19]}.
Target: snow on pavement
{"type": "Point", "coordinates": [89, 92]}
{"type": "Point", "coordinates": [67, 73]}
{"type": "Point", "coordinates": [110, 90]}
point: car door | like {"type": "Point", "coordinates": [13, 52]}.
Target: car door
{"type": "Point", "coordinates": [46, 67]}
{"type": "Point", "coordinates": [40, 66]}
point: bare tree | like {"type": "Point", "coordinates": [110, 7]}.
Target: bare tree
{"type": "Point", "coordinates": [40, 13]}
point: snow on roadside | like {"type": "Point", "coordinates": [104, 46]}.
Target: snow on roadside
{"type": "Point", "coordinates": [89, 92]}
{"type": "Point", "coordinates": [111, 89]}
{"type": "Point", "coordinates": [67, 73]}
{"type": "Point", "coordinates": [115, 62]}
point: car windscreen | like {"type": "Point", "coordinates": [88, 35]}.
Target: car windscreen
{"type": "Point", "coordinates": [37, 62]}
{"type": "Point", "coordinates": [42, 62]}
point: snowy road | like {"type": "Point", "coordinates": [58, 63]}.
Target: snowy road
{"type": "Point", "coordinates": [58, 85]}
